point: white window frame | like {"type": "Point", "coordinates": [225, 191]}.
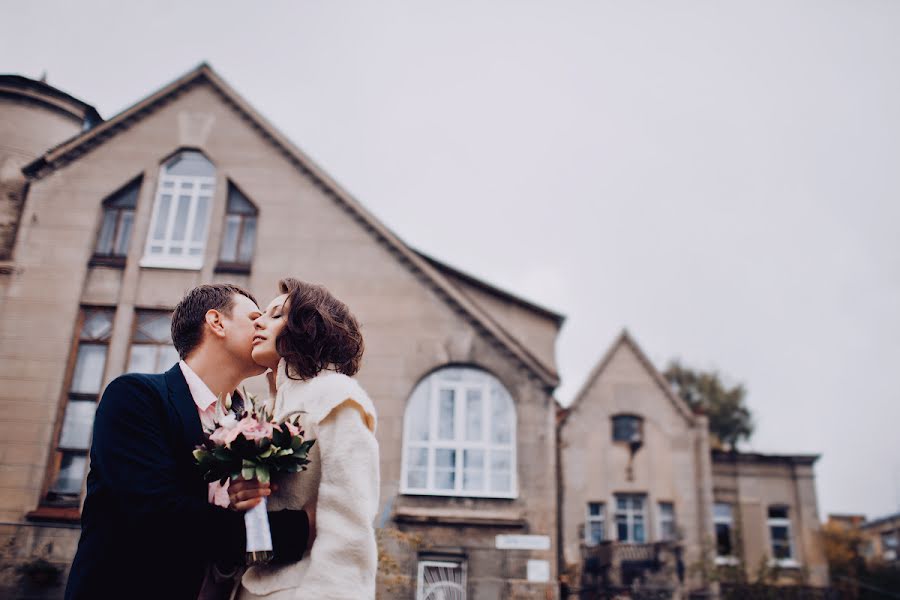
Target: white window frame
{"type": "Point", "coordinates": [590, 519]}
{"type": "Point", "coordinates": [630, 514]}
{"type": "Point", "coordinates": [661, 519]}
{"type": "Point", "coordinates": [771, 522]}
{"type": "Point", "coordinates": [459, 443]}
{"type": "Point", "coordinates": [722, 559]}
{"type": "Point", "coordinates": [446, 564]}
{"type": "Point", "coordinates": [186, 260]}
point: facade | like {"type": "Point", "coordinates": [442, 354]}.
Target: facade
{"type": "Point", "coordinates": [766, 517]}
{"type": "Point", "coordinates": [882, 539]}
{"type": "Point", "coordinates": [644, 498]}
{"type": "Point", "coordinates": [191, 185]}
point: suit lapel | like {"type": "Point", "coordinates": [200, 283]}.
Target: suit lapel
{"type": "Point", "coordinates": [185, 408]}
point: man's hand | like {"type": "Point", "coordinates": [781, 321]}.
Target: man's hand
{"type": "Point", "coordinates": [245, 494]}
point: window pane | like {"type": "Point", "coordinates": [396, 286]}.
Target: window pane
{"type": "Point", "coordinates": [124, 237]}
{"type": "Point", "coordinates": [230, 238]}
{"type": "Point", "coordinates": [722, 511]}
{"type": "Point", "coordinates": [142, 359]}
{"type": "Point", "coordinates": [89, 368]}
{"type": "Point", "coordinates": [417, 468]}
{"type": "Point", "coordinates": [190, 162]}
{"type": "Point", "coordinates": [626, 428]}
{"type": "Point", "coordinates": [473, 469]}
{"type": "Point", "coordinates": [153, 327]}
{"type": "Point", "coordinates": [779, 533]}
{"type": "Point", "coordinates": [446, 415]}
{"type": "Point", "coordinates": [473, 415]}
{"type": "Point", "coordinates": [778, 512]}
{"type": "Point", "coordinates": [124, 198]}
{"type": "Point", "coordinates": [622, 528]}
{"type": "Point", "coordinates": [595, 509]}
{"type": "Point", "coordinates": [97, 325]}
{"type": "Point", "coordinates": [238, 203]}
{"type": "Point", "coordinates": [501, 418]}
{"type": "Point", "coordinates": [166, 358]}
{"type": "Point", "coordinates": [248, 240]}
{"type": "Point", "coordinates": [639, 530]}
{"type": "Point", "coordinates": [445, 469]}
{"type": "Point", "coordinates": [107, 230]}
{"type": "Point", "coordinates": [162, 217]}
{"type": "Point", "coordinates": [723, 539]}
{"type": "Point", "coordinates": [181, 216]}
{"type": "Point", "coordinates": [200, 218]}
{"type": "Point", "coordinates": [501, 471]}
{"type": "Point", "coordinates": [418, 420]}
{"type": "Point", "coordinates": [71, 474]}
{"type": "Point", "coordinates": [77, 424]}
{"type": "Point", "coordinates": [595, 532]}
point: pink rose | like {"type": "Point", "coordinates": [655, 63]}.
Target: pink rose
{"type": "Point", "coordinates": [251, 428]}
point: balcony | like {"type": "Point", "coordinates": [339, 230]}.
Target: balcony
{"type": "Point", "coordinates": [614, 565]}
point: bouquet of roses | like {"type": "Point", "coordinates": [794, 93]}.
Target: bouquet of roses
{"type": "Point", "coordinates": [252, 444]}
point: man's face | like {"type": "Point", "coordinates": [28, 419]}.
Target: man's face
{"type": "Point", "coordinates": [239, 332]}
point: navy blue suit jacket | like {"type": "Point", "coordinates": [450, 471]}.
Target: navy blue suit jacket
{"type": "Point", "coordinates": [148, 530]}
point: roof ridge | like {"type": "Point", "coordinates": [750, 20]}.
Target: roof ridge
{"type": "Point", "coordinates": [625, 338]}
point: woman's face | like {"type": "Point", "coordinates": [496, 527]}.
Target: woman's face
{"type": "Point", "coordinates": [268, 325]}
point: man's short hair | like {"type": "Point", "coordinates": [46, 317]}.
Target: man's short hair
{"type": "Point", "coordinates": [189, 316]}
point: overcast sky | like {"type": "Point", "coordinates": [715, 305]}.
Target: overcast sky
{"type": "Point", "coordinates": [721, 178]}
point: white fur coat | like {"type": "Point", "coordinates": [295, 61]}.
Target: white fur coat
{"type": "Point", "coordinates": [344, 474]}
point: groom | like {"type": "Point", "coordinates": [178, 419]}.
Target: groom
{"type": "Point", "coordinates": [148, 529]}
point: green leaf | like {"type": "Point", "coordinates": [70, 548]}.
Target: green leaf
{"type": "Point", "coordinates": [262, 473]}
{"type": "Point", "coordinates": [248, 472]}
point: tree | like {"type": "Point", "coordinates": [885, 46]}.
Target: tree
{"type": "Point", "coordinates": [729, 418]}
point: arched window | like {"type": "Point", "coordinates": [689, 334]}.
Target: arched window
{"type": "Point", "coordinates": [180, 221]}
{"type": "Point", "coordinates": [460, 436]}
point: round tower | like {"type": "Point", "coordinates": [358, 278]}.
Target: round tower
{"type": "Point", "coordinates": [34, 117]}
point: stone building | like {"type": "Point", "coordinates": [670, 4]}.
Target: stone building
{"type": "Point", "coordinates": [643, 497]}
{"type": "Point", "coordinates": [192, 185]}
{"type": "Point", "coordinates": [485, 494]}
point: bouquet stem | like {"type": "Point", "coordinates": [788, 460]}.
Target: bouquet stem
{"type": "Point", "coordinates": [259, 536]}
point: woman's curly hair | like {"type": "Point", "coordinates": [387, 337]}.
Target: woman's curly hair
{"type": "Point", "coordinates": [320, 332]}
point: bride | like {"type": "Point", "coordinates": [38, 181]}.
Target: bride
{"type": "Point", "coordinates": [312, 342]}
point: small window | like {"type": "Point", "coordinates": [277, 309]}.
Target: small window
{"type": "Point", "coordinates": [152, 350]}
{"type": "Point", "coordinates": [631, 518]}
{"type": "Point", "coordinates": [239, 236]}
{"type": "Point", "coordinates": [117, 224]}
{"type": "Point", "coordinates": [180, 220]}
{"type": "Point", "coordinates": [441, 580]}
{"type": "Point", "coordinates": [890, 544]}
{"type": "Point", "coordinates": [627, 428]}
{"type": "Point", "coordinates": [667, 532]}
{"type": "Point", "coordinates": [596, 524]}
{"type": "Point", "coordinates": [85, 384]}
{"type": "Point", "coordinates": [723, 521]}
{"type": "Point", "coordinates": [780, 534]}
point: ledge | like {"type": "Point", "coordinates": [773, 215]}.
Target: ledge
{"type": "Point", "coordinates": [59, 514]}
{"type": "Point", "coordinates": [99, 260]}
{"type": "Point", "coordinates": [235, 268]}
{"type": "Point", "coordinates": [456, 517]}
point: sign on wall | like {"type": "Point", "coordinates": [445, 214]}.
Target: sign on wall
{"type": "Point", "coordinates": [523, 542]}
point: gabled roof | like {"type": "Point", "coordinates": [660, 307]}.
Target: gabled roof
{"type": "Point", "coordinates": [625, 339]}
{"type": "Point", "coordinates": [427, 272]}
{"type": "Point", "coordinates": [493, 290]}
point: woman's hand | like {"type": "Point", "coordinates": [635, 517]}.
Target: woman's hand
{"type": "Point", "coordinates": [245, 494]}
